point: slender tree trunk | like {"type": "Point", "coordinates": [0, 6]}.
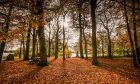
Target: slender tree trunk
{"type": "Point", "coordinates": [85, 40]}
{"type": "Point", "coordinates": [23, 42]}
{"type": "Point", "coordinates": [103, 48]}
{"type": "Point", "coordinates": [26, 57]}
{"type": "Point", "coordinates": [56, 39]}
{"type": "Point", "coordinates": [86, 52]}
{"type": "Point", "coordinates": [33, 43]}
{"type": "Point", "coordinates": [2, 45]}
{"type": "Point", "coordinates": [135, 31]}
{"type": "Point", "coordinates": [49, 50]}
{"type": "Point", "coordinates": [37, 45]}
{"type": "Point", "coordinates": [130, 37]}
{"type": "Point", "coordinates": [20, 51]}
{"type": "Point", "coordinates": [81, 30]}
{"type": "Point", "coordinates": [77, 54]}
{"type": "Point", "coordinates": [94, 46]}
{"type": "Point", "coordinates": [41, 36]}
{"type": "Point", "coordinates": [63, 38]}
{"type": "Point", "coordinates": [109, 44]}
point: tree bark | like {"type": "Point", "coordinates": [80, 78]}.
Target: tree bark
{"type": "Point", "coordinates": [86, 52]}
{"type": "Point", "coordinates": [26, 56]}
{"type": "Point", "coordinates": [33, 43]}
{"type": "Point", "coordinates": [23, 42]}
{"type": "Point", "coordinates": [63, 37]}
{"type": "Point", "coordinates": [103, 47]}
{"type": "Point", "coordinates": [135, 31]}
{"type": "Point", "coordinates": [49, 50]}
{"type": "Point", "coordinates": [41, 36]}
{"type": "Point", "coordinates": [94, 46]}
{"type": "Point", "coordinates": [130, 36]}
{"type": "Point", "coordinates": [20, 51]}
{"type": "Point", "coordinates": [56, 39]}
{"type": "Point", "coordinates": [109, 44]}
{"type": "Point", "coordinates": [81, 30]}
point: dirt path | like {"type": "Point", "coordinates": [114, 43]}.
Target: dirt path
{"type": "Point", "coordinates": [72, 71]}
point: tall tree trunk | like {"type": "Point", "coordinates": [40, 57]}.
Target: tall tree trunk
{"type": "Point", "coordinates": [81, 30]}
{"type": "Point", "coordinates": [103, 47]}
{"type": "Point", "coordinates": [109, 44]}
{"type": "Point", "coordinates": [33, 43]}
{"type": "Point", "coordinates": [20, 51]}
{"type": "Point", "coordinates": [37, 45]}
{"type": "Point", "coordinates": [94, 46]}
{"type": "Point", "coordinates": [26, 57]}
{"type": "Point", "coordinates": [49, 50]}
{"type": "Point", "coordinates": [23, 45]}
{"type": "Point", "coordinates": [41, 36]}
{"type": "Point", "coordinates": [135, 31]}
{"type": "Point", "coordinates": [56, 39]}
{"type": "Point", "coordinates": [63, 37]}
{"type": "Point", "coordinates": [2, 45]}
{"type": "Point", "coordinates": [77, 54]}
{"type": "Point", "coordinates": [86, 52]}
{"type": "Point", "coordinates": [130, 36]}
{"type": "Point", "coordinates": [85, 40]}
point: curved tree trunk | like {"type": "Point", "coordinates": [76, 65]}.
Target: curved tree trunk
{"type": "Point", "coordinates": [130, 36]}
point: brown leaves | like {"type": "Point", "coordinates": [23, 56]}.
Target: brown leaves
{"type": "Point", "coordinates": [70, 71]}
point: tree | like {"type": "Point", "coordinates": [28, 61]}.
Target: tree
{"type": "Point", "coordinates": [57, 39]}
{"type": "Point", "coordinates": [26, 56]}
{"type": "Point", "coordinates": [81, 29]}
{"type": "Point", "coordinates": [2, 45]}
{"type": "Point", "coordinates": [40, 31]}
{"type": "Point", "coordinates": [93, 4]}
{"type": "Point", "coordinates": [64, 37]}
{"type": "Point", "coordinates": [34, 43]}
{"type": "Point", "coordinates": [130, 37]}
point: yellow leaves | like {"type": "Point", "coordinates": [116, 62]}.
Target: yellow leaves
{"type": "Point", "coordinates": [36, 26]}
{"type": "Point", "coordinates": [37, 21]}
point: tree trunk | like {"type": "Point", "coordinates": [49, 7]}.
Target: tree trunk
{"type": "Point", "coordinates": [109, 44]}
{"type": "Point", "coordinates": [81, 30]}
{"type": "Point", "coordinates": [135, 31]}
{"type": "Point", "coordinates": [77, 54]}
{"type": "Point", "coordinates": [85, 40]}
{"type": "Point", "coordinates": [94, 46]}
{"type": "Point", "coordinates": [103, 48]}
{"type": "Point", "coordinates": [49, 50]}
{"type": "Point", "coordinates": [130, 37]}
{"type": "Point", "coordinates": [37, 45]}
{"type": "Point", "coordinates": [86, 52]}
{"type": "Point", "coordinates": [20, 51]}
{"type": "Point", "coordinates": [2, 45]}
{"type": "Point", "coordinates": [26, 57]}
{"type": "Point", "coordinates": [33, 43]}
{"type": "Point", "coordinates": [41, 36]}
{"type": "Point", "coordinates": [56, 39]}
{"type": "Point", "coordinates": [63, 38]}
{"type": "Point", "coordinates": [23, 42]}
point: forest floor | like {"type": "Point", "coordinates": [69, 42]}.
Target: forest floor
{"type": "Point", "coordinates": [70, 71]}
